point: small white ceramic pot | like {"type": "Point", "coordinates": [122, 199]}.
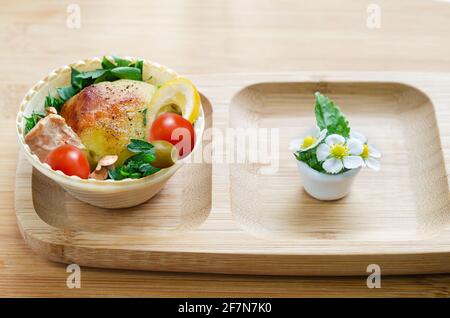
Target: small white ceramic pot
{"type": "Point", "coordinates": [326, 186]}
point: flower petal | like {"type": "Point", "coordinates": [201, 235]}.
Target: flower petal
{"type": "Point", "coordinates": [372, 163]}
{"type": "Point", "coordinates": [374, 152]}
{"type": "Point", "coordinates": [334, 139]}
{"type": "Point", "coordinates": [313, 132]}
{"type": "Point", "coordinates": [353, 162]}
{"type": "Point", "coordinates": [322, 135]}
{"type": "Point", "coordinates": [332, 165]}
{"type": "Point", "coordinates": [323, 151]}
{"type": "Point", "coordinates": [355, 147]}
{"type": "Point", "coordinates": [358, 135]}
{"type": "Point", "coordinates": [310, 147]}
{"type": "Point", "coordinates": [319, 139]}
{"type": "Point", "coordinates": [295, 144]}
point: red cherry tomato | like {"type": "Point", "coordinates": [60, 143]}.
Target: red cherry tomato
{"type": "Point", "coordinates": [70, 160]}
{"type": "Point", "coordinates": [174, 129]}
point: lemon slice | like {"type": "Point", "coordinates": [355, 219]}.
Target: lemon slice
{"type": "Point", "coordinates": [177, 96]}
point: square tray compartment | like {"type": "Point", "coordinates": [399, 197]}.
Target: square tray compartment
{"type": "Point", "coordinates": [231, 218]}
{"type": "Point", "coordinates": [399, 118]}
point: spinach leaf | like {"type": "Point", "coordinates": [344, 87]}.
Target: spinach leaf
{"type": "Point", "coordinates": [135, 175]}
{"type": "Point", "coordinates": [138, 165]}
{"type": "Point", "coordinates": [329, 116]}
{"type": "Point", "coordinates": [65, 93]}
{"type": "Point", "coordinates": [147, 169]}
{"type": "Point", "coordinates": [137, 145]}
{"type": "Point", "coordinates": [31, 121]}
{"type": "Point", "coordinates": [121, 62]}
{"type": "Point", "coordinates": [138, 64]}
{"type": "Point", "coordinates": [91, 74]}
{"type": "Point", "coordinates": [107, 76]}
{"type": "Point", "coordinates": [51, 101]}
{"type": "Point", "coordinates": [116, 174]}
{"type": "Point", "coordinates": [142, 157]}
{"type": "Point", "coordinates": [74, 80]}
{"type": "Point", "coordinates": [107, 64]}
{"type": "Point", "coordinates": [127, 72]}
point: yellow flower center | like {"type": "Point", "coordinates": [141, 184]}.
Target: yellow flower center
{"type": "Point", "coordinates": [365, 152]}
{"type": "Point", "coordinates": [308, 141]}
{"type": "Point", "coordinates": [339, 151]}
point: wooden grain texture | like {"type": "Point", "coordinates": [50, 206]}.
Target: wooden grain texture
{"type": "Point", "coordinates": [263, 223]}
{"type": "Point", "coordinates": [406, 201]}
{"type": "Point", "coordinates": [233, 36]}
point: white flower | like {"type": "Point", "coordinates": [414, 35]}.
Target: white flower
{"type": "Point", "coordinates": [370, 153]}
{"type": "Point", "coordinates": [339, 153]}
{"type": "Point", "coordinates": [309, 140]}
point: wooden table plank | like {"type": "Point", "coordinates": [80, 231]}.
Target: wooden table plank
{"type": "Point", "coordinates": [198, 37]}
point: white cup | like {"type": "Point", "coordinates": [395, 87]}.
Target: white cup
{"type": "Point", "coordinates": [326, 186]}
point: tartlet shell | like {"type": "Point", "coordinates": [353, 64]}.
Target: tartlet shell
{"type": "Point", "coordinates": [102, 193]}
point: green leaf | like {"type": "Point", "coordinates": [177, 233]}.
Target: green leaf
{"type": "Point", "coordinates": [74, 81]}
{"type": "Point", "coordinates": [133, 163]}
{"type": "Point", "coordinates": [127, 72]}
{"type": "Point", "coordinates": [310, 158]}
{"type": "Point", "coordinates": [80, 80]}
{"type": "Point", "coordinates": [65, 93]}
{"type": "Point", "coordinates": [91, 74]}
{"type": "Point", "coordinates": [137, 145]}
{"type": "Point", "coordinates": [84, 79]}
{"type": "Point", "coordinates": [124, 172]}
{"type": "Point", "coordinates": [142, 157]}
{"type": "Point", "coordinates": [31, 121]}
{"type": "Point", "coordinates": [110, 71]}
{"type": "Point", "coordinates": [147, 169]}
{"type": "Point", "coordinates": [107, 64]}
{"type": "Point", "coordinates": [135, 175]}
{"type": "Point", "coordinates": [107, 76]}
{"type": "Point", "coordinates": [329, 116]}
{"type": "Point", "coordinates": [115, 174]}
{"type": "Point", "coordinates": [51, 101]}
{"type": "Point", "coordinates": [138, 64]}
{"type": "Point", "coordinates": [121, 62]}
{"type": "Point", "coordinates": [138, 165]}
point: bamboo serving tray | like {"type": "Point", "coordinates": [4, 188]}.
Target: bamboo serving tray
{"type": "Point", "coordinates": [230, 218]}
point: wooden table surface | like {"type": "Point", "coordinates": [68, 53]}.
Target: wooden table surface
{"type": "Point", "coordinates": [192, 37]}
